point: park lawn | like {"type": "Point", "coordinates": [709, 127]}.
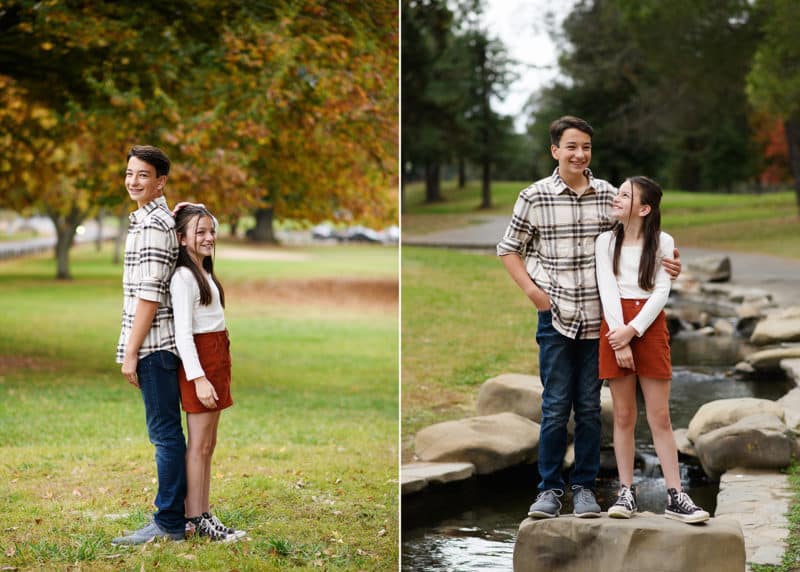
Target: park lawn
{"type": "Point", "coordinates": [306, 459]}
{"type": "Point", "coordinates": [463, 321]}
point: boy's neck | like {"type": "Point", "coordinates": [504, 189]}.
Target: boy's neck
{"type": "Point", "coordinates": [577, 182]}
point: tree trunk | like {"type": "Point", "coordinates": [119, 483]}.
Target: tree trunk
{"type": "Point", "coordinates": [122, 234]}
{"type": "Point", "coordinates": [402, 190]}
{"type": "Point", "coordinates": [486, 139]}
{"type": "Point", "coordinates": [263, 231]}
{"type": "Point", "coordinates": [433, 191]}
{"type": "Point", "coordinates": [486, 187]}
{"type": "Point", "coordinates": [98, 239]}
{"type": "Point", "coordinates": [65, 237]}
{"type": "Point", "coordinates": [792, 129]}
{"type": "Point", "coordinates": [234, 226]}
{"type": "Point", "coordinates": [462, 173]}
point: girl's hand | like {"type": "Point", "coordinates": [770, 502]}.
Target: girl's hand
{"type": "Point", "coordinates": [205, 392]}
{"type": "Point", "coordinates": [625, 358]}
{"type": "Point", "coordinates": [620, 337]}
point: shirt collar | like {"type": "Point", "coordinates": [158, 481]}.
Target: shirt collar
{"type": "Point", "coordinates": [139, 214]}
{"type": "Point", "coordinates": [559, 186]}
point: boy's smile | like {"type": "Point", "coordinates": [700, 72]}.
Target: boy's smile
{"type": "Point", "coordinates": [141, 182]}
{"type": "Point", "coordinates": [573, 153]}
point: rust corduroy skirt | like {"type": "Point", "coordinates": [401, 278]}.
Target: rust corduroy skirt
{"type": "Point", "coordinates": [651, 353]}
{"type": "Point", "coordinates": [214, 351]}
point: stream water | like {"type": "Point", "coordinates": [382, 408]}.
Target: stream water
{"type": "Point", "coordinates": [472, 525]}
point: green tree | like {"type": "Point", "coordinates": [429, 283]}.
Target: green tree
{"type": "Point", "coordinates": [773, 84]}
{"type": "Point", "coordinates": [663, 85]}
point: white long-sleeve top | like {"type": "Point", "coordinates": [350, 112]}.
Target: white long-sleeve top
{"type": "Point", "coordinates": [191, 317]}
{"type": "Point", "coordinates": [614, 288]}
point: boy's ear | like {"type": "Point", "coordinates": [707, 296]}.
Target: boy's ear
{"type": "Point", "coordinates": [162, 181]}
{"type": "Point", "coordinates": [554, 151]}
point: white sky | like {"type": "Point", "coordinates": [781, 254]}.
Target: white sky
{"type": "Point", "coordinates": [522, 26]}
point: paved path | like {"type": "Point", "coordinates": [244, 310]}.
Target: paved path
{"type": "Point", "coordinates": [780, 276]}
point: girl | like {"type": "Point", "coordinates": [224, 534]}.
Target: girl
{"type": "Point", "coordinates": [204, 348]}
{"type": "Point", "coordinates": [634, 340]}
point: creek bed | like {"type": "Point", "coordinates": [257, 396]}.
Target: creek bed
{"type": "Point", "coordinates": [472, 525]}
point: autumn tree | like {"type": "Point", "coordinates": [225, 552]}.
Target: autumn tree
{"type": "Point", "coordinates": [773, 84]}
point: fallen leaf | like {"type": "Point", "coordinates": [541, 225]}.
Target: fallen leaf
{"type": "Point", "coordinates": [11, 551]}
{"type": "Point", "coordinates": [102, 490]}
{"type": "Point", "coordinates": [76, 493]}
{"type": "Point", "coordinates": [382, 532]}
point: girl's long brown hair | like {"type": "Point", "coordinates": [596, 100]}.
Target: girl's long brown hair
{"type": "Point", "coordinates": [182, 221]}
{"type": "Point", "coordinates": [649, 194]}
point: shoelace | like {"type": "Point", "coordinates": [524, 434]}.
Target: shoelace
{"type": "Point", "coordinates": [555, 492]}
{"type": "Point", "coordinates": [626, 497]}
{"type": "Point", "coordinates": [217, 523]}
{"type": "Point", "coordinates": [585, 495]}
{"type": "Point", "coordinates": [684, 502]}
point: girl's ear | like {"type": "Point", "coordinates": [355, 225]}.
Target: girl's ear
{"type": "Point", "coordinates": [181, 239]}
{"type": "Point", "coordinates": [644, 210]}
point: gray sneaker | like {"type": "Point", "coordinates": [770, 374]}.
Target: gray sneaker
{"type": "Point", "coordinates": [584, 502]}
{"type": "Point", "coordinates": [547, 504]}
{"type": "Point", "coordinates": [147, 533]}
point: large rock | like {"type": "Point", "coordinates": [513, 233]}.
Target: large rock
{"type": "Point", "coordinates": [755, 442]}
{"type": "Point", "coordinates": [711, 268]}
{"type": "Point", "coordinates": [722, 412]}
{"type": "Point", "coordinates": [791, 406]}
{"type": "Point", "coordinates": [683, 444]}
{"type": "Point", "coordinates": [491, 442]}
{"type": "Point", "coordinates": [783, 326]}
{"type": "Point", "coordinates": [522, 394]}
{"type": "Point", "coordinates": [770, 360]}
{"type": "Point", "coordinates": [514, 392]}
{"type": "Point", "coordinates": [647, 542]}
{"type": "Point", "coordinates": [417, 476]}
{"type": "Point", "coordinates": [792, 368]}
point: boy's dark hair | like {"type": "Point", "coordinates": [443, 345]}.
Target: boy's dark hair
{"type": "Point", "coordinates": [152, 156]}
{"type": "Point", "coordinates": [561, 124]}
{"type": "Point", "coordinates": [183, 218]}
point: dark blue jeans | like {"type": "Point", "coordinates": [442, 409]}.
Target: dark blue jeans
{"type": "Point", "coordinates": [568, 369]}
{"type": "Point", "coordinates": [158, 380]}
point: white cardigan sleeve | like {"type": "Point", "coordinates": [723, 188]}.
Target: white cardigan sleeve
{"type": "Point", "coordinates": [655, 303]}
{"type": "Point", "coordinates": [185, 293]}
{"type": "Point", "coordinates": [606, 281]}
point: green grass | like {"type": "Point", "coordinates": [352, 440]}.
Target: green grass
{"type": "Point", "coordinates": [306, 459]}
{"type": "Point", "coordinates": [463, 321]}
{"type": "Point", "coordinates": [791, 557]}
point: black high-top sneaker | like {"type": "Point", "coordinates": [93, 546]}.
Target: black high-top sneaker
{"type": "Point", "coordinates": [680, 507]}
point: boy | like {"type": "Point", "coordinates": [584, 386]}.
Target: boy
{"type": "Point", "coordinates": [146, 346]}
{"type": "Point", "coordinates": [548, 249]}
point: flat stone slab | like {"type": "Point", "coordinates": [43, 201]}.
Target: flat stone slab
{"type": "Point", "coordinates": [792, 368]}
{"type": "Point", "coordinates": [759, 501]}
{"type": "Point", "coordinates": [417, 476]}
{"type": "Point", "coordinates": [647, 542]}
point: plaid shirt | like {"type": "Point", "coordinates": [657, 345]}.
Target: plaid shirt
{"type": "Point", "coordinates": [150, 253]}
{"type": "Point", "coordinates": [553, 230]}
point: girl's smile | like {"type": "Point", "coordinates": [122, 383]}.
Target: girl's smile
{"type": "Point", "coordinates": [200, 238]}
